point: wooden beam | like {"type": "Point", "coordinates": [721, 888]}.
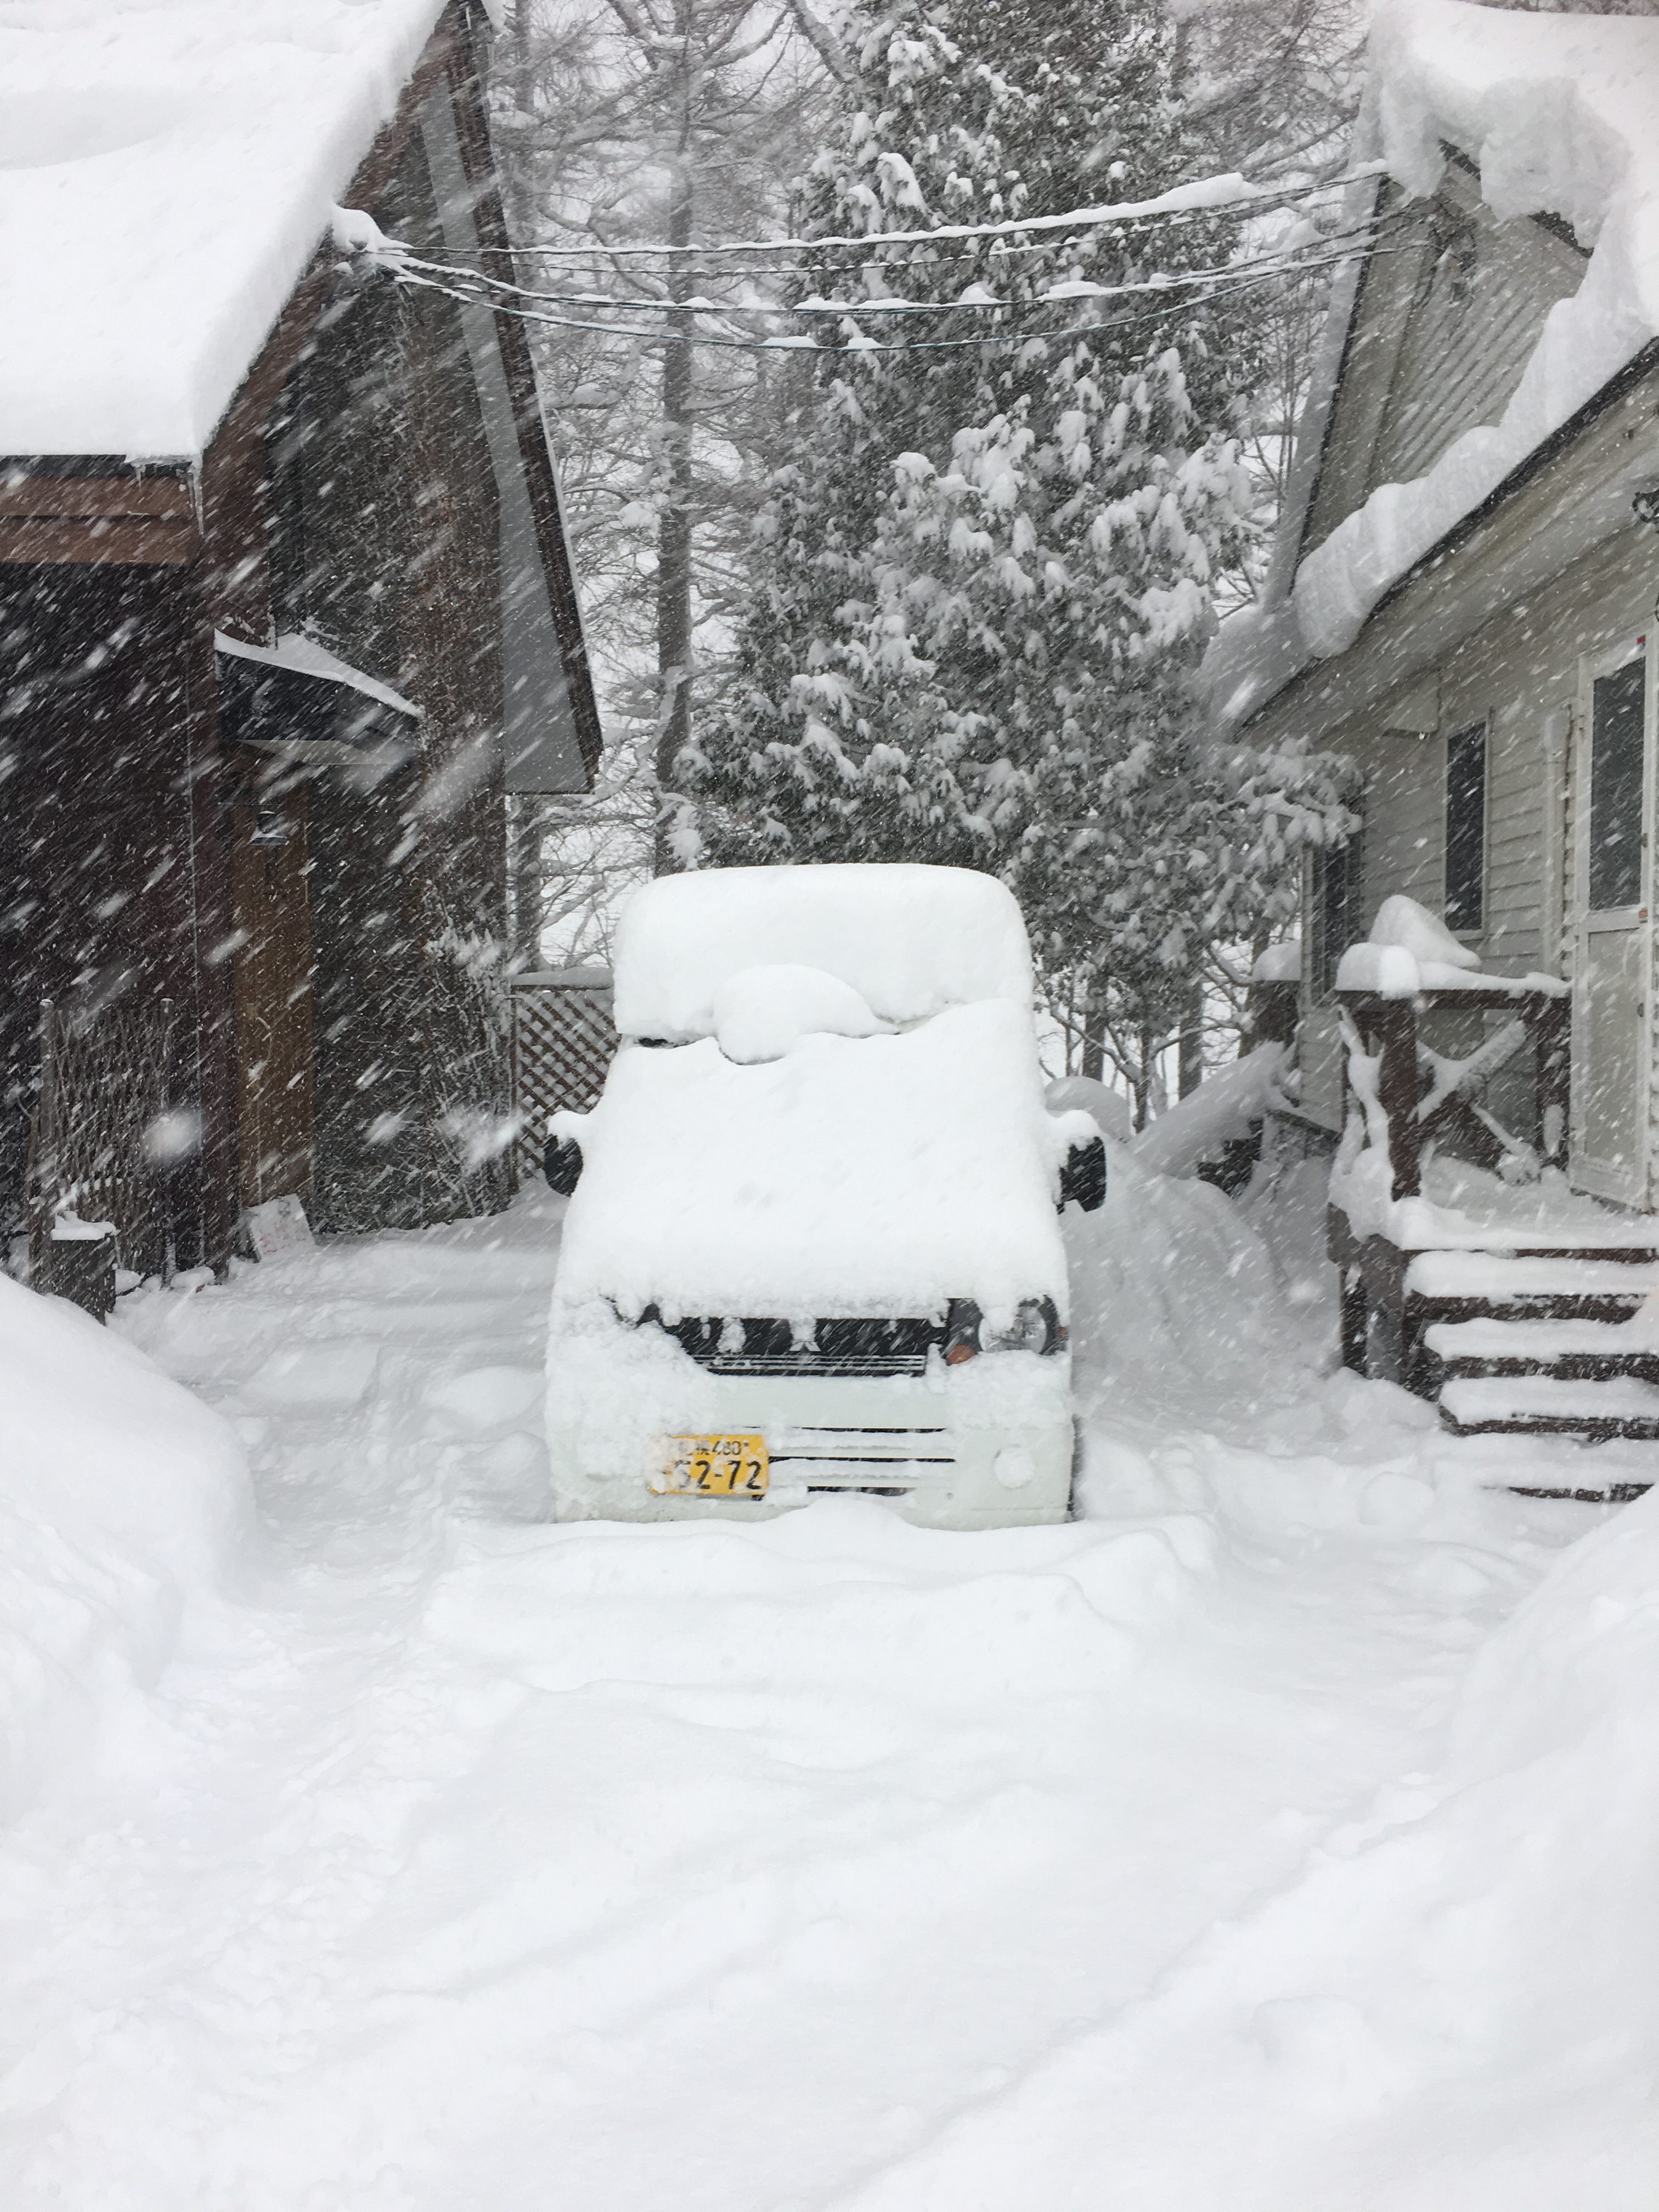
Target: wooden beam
{"type": "Point", "coordinates": [139, 541]}
{"type": "Point", "coordinates": [164, 498]}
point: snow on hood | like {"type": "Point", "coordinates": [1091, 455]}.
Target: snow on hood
{"type": "Point", "coordinates": [909, 941]}
{"type": "Point", "coordinates": [166, 172]}
{"type": "Point", "coordinates": [1561, 112]}
{"type": "Point", "coordinates": [853, 1175]}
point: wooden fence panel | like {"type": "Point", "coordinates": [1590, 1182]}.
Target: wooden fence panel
{"type": "Point", "coordinates": [564, 1042]}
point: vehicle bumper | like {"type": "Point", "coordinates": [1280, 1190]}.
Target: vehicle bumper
{"type": "Point", "coordinates": [957, 1450]}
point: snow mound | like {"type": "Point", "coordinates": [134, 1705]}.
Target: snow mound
{"type": "Point", "coordinates": [1279, 963]}
{"type": "Point", "coordinates": [911, 940]}
{"type": "Point", "coordinates": [764, 1012]}
{"type": "Point", "coordinates": [1223, 1107]}
{"type": "Point", "coordinates": [120, 1495]}
{"type": "Point", "coordinates": [1173, 1292]}
{"type": "Point", "coordinates": [1402, 921]}
{"type": "Point", "coordinates": [1559, 111]}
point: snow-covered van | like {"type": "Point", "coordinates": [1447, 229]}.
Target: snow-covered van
{"type": "Point", "coordinates": [812, 1243]}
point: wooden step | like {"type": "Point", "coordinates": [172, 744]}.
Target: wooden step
{"type": "Point", "coordinates": [1550, 1405]}
{"type": "Point", "coordinates": [1570, 1350]}
{"type": "Point", "coordinates": [1457, 1287]}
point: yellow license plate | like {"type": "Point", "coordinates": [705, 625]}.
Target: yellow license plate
{"type": "Point", "coordinates": [713, 1466]}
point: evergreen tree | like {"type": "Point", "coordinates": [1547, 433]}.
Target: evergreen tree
{"type": "Point", "coordinates": [986, 582]}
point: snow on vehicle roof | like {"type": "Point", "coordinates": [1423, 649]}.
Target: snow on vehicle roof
{"type": "Point", "coordinates": [1561, 114]}
{"type": "Point", "coordinates": [853, 1175]}
{"type": "Point", "coordinates": [909, 939]}
{"type": "Point", "coordinates": [167, 171]}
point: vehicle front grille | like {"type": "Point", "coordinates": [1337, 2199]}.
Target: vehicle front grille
{"type": "Point", "coordinates": [769, 1347]}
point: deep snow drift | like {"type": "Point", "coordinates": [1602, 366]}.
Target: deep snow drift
{"type": "Point", "coordinates": [1275, 1835]}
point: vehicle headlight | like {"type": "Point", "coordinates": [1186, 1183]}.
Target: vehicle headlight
{"type": "Point", "coordinates": [1036, 1327]}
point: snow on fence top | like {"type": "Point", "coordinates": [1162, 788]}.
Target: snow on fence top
{"type": "Point", "coordinates": [167, 175]}
{"type": "Point", "coordinates": [911, 940]}
{"type": "Point", "coordinates": [1561, 113]}
{"type": "Point", "coordinates": [1410, 949]}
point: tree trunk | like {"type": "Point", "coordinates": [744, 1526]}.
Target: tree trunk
{"type": "Point", "coordinates": [1189, 1045]}
{"type": "Point", "coordinates": [674, 523]}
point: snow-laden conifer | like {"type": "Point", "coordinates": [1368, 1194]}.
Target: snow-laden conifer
{"type": "Point", "coordinates": [984, 583]}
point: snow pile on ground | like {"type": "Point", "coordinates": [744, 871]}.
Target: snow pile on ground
{"type": "Point", "coordinates": [168, 172]}
{"type": "Point", "coordinates": [1559, 111]}
{"type": "Point", "coordinates": [1254, 1841]}
{"type": "Point", "coordinates": [909, 939]}
{"type": "Point", "coordinates": [1198, 1126]}
{"type": "Point", "coordinates": [120, 1496]}
{"type": "Point", "coordinates": [876, 1174]}
{"type": "Point", "coordinates": [1174, 1294]}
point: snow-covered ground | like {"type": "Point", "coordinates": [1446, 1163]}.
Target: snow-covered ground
{"type": "Point", "coordinates": [1278, 1834]}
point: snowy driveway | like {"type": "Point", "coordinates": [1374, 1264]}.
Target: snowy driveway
{"type": "Point", "coordinates": [463, 1861]}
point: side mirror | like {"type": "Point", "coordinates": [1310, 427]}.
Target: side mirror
{"type": "Point", "coordinates": [1083, 1176]}
{"type": "Point", "coordinates": [562, 1164]}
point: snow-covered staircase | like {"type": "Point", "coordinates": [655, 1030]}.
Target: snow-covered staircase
{"type": "Point", "coordinates": [1540, 1344]}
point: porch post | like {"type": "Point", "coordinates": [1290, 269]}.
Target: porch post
{"type": "Point", "coordinates": [1396, 1023]}
{"type": "Point", "coordinates": [1552, 1030]}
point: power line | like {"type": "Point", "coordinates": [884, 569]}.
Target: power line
{"type": "Point", "coordinates": [802, 344]}
{"type": "Point", "coordinates": [1231, 194]}
{"type": "Point", "coordinates": [1286, 261]}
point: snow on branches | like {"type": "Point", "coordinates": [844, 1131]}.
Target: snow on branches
{"type": "Point", "coordinates": [985, 578]}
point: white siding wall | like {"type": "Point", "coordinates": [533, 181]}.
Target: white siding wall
{"type": "Point", "coordinates": [1519, 673]}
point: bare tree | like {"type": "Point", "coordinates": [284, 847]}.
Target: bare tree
{"type": "Point", "coordinates": [663, 126]}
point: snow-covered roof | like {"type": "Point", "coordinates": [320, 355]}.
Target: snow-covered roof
{"type": "Point", "coordinates": [908, 939]}
{"type": "Point", "coordinates": [851, 1175]}
{"type": "Point", "coordinates": [167, 171]}
{"type": "Point", "coordinates": [1561, 113]}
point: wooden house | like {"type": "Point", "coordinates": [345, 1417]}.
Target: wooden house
{"type": "Point", "coordinates": [1463, 604]}
{"type": "Point", "coordinates": [286, 615]}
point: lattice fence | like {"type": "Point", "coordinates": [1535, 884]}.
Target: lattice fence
{"type": "Point", "coordinates": [105, 1083]}
{"type": "Point", "coordinates": [563, 1041]}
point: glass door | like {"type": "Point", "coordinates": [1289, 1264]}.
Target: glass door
{"type": "Point", "coordinates": [1611, 1053]}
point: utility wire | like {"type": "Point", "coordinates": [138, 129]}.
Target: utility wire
{"type": "Point", "coordinates": [407, 276]}
{"type": "Point", "coordinates": [1204, 196]}
{"type": "Point", "coordinates": [1286, 261]}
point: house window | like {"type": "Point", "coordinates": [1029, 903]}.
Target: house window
{"type": "Point", "coordinates": [1466, 828]}
{"type": "Point", "coordinates": [1335, 909]}
{"type": "Point", "coordinates": [1615, 806]}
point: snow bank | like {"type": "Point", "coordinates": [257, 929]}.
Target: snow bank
{"type": "Point", "coordinates": [877, 1175]}
{"type": "Point", "coordinates": [1559, 112]}
{"type": "Point", "coordinates": [1173, 1292]}
{"type": "Point", "coordinates": [908, 939]}
{"type": "Point", "coordinates": [1223, 1107]}
{"type": "Point", "coordinates": [119, 1495]}
{"type": "Point", "coordinates": [168, 171]}
{"type": "Point", "coordinates": [1279, 963]}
